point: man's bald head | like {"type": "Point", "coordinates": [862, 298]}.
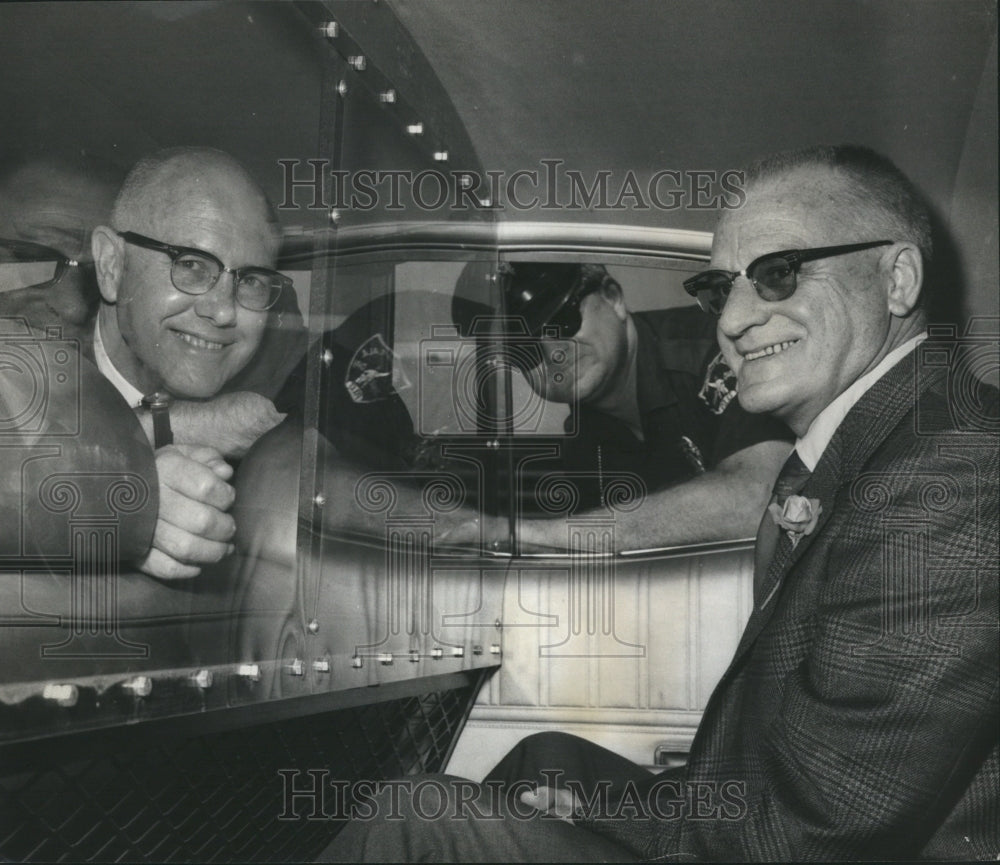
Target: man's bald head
{"type": "Point", "coordinates": [166, 182]}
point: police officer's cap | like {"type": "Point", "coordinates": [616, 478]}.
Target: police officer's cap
{"type": "Point", "coordinates": [537, 291]}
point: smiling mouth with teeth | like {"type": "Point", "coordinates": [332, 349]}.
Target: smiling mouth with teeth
{"type": "Point", "coordinates": [767, 351]}
{"type": "Point", "coordinates": [198, 342]}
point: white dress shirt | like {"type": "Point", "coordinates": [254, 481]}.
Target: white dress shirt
{"type": "Point", "coordinates": [133, 396]}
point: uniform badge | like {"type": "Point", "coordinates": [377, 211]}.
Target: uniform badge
{"type": "Point", "coordinates": [374, 372]}
{"type": "Point", "coordinates": [719, 387]}
{"type": "Point", "coordinates": [693, 455]}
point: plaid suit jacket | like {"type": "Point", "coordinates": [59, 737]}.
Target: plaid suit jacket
{"type": "Point", "coordinates": [859, 716]}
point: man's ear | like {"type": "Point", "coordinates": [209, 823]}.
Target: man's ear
{"type": "Point", "coordinates": [109, 260]}
{"type": "Point", "coordinates": [903, 270]}
{"type": "Point", "coordinates": [611, 291]}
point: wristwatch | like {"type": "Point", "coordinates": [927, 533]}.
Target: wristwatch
{"type": "Point", "coordinates": [159, 407]}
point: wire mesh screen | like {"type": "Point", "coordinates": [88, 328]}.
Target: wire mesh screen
{"type": "Point", "coordinates": [221, 796]}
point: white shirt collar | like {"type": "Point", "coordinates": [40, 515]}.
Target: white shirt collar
{"type": "Point", "coordinates": [133, 396]}
{"type": "Point", "coordinates": [824, 425]}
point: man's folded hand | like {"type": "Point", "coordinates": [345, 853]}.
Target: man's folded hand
{"type": "Point", "coordinates": [193, 527]}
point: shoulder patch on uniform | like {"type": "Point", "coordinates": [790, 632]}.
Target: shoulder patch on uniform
{"type": "Point", "coordinates": [374, 372]}
{"type": "Point", "coordinates": [719, 387]}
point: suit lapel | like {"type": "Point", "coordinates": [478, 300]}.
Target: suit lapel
{"type": "Point", "coordinates": [863, 430]}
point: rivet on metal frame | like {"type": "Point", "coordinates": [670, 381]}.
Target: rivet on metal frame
{"type": "Point", "coordinates": [415, 128]}
{"type": "Point", "coordinates": [385, 659]}
{"type": "Point", "coordinates": [440, 155]}
{"type": "Point", "coordinates": [437, 653]}
{"type": "Point", "coordinates": [250, 672]}
{"type": "Point", "coordinates": [296, 668]}
{"type": "Point", "coordinates": [61, 695]}
{"type": "Point", "coordinates": [358, 61]}
{"type": "Point", "coordinates": [458, 652]}
{"type": "Point", "coordinates": [494, 648]}
{"type": "Point", "coordinates": [321, 665]}
{"type": "Point", "coordinates": [387, 96]}
{"type": "Point", "coordinates": [319, 500]}
{"type": "Point", "coordinates": [477, 650]}
{"type": "Point", "coordinates": [414, 656]}
{"type": "Point", "coordinates": [334, 215]}
{"type": "Point", "coordinates": [330, 29]}
{"type": "Point", "coordinates": [202, 679]}
{"type": "Point", "coordinates": [498, 624]}
{"type": "Point", "coordinates": [313, 626]}
{"type": "Point", "coordinates": [357, 662]}
{"type": "Point", "coordinates": [326, 357]}
{"type": "Point", "coordinates": [140, 686]}
{"type": "Point", "coordinates": [341, 88]}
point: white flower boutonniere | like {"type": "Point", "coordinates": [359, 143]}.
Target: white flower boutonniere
{"type": "Point", "coordinates": [797, 516]}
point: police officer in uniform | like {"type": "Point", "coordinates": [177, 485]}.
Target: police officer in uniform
{"type": "Point", "coordinates": [649, 397]}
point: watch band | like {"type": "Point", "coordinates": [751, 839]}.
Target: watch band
{"type": "Point", "coordinates": [159, 407]}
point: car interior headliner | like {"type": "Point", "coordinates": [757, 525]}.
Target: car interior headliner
{"type": "Point", "coordinates": [640, 85]}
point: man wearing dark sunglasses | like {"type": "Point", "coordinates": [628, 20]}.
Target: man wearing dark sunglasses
{"type": "Point", "coordinates": [858, 719]}
{"type": "Point", "coordinates": [649, 397]}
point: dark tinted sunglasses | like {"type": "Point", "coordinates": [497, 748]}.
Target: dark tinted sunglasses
{"type": "Point", "coordinates": [50, 264]}
{"type": "Point", "coordinates": [773, 276]}
{"type": "Point", "coordinates": [567, 320]}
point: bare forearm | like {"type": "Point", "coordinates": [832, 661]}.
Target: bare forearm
{"type": "Point", "coordinates": [229, 422]}
{"type": "Point", "coordinates": [722, 504]}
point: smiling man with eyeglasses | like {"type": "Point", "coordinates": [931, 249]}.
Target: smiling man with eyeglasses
{"type": "Point", "coordinates": [858, 719]}
{"type": "Point", "coordinates": [186, 274]}
{"type": "Point", "coordinates": [187, 282]}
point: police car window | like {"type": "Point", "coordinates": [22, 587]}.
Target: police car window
{"type": "Point", "coordinates": [644, 287]}
{"type": "Point", "coordinates": [402, 398]}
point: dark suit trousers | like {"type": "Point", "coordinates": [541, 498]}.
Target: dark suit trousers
{"type": "Point", "coordinates": [481, 822]}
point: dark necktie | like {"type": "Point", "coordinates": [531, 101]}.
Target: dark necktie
{"type": "Point", "coordinates": [791, 479]}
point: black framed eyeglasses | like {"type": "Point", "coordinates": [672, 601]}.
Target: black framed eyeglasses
{"type": "Point", "coordinates": [774, 276]}
{"type": "Point", "coordinates": [48, 265]}
{"type": "Point", "coordinates": [195, 271]}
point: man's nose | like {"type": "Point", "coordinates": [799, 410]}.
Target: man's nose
{"type": "Point", "coordinates": [219, 303]}
{"type": "Point", "coordinates": [743, 309]}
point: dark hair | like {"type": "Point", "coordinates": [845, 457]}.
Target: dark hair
{"type": "Point", "coordinates": [874, 185]}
